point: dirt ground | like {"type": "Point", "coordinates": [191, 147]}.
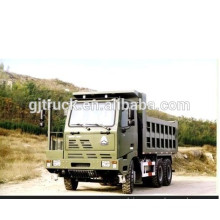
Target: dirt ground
{"type": "Point", "coordinates": [45, 185]}
{"type": "Point", "coordinates": [22, 157]}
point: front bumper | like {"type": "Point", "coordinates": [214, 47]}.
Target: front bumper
{"type": "Point", "coordinates": [89, 164]}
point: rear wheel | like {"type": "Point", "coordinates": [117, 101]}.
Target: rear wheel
{"type": "Point", "coordinates": [70, 183]}
{"type": "Point", "coordinates": [167, 170]}
{"type": "Point", "coordinates": [128, 186]}
{"type": "Point", "coordinates": [157, 180]}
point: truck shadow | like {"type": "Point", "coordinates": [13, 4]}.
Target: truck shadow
{"type": "Point", "coordinates": [114, 189]}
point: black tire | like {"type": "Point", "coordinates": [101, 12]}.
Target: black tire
{"type": "Point", "coordinates": [167, 170]}
{"type": "Point", "coordinates": [128, 186]}
{"type": "Point", "coordinates": [157, 180]}
{"type": "Point", "coordinates": [70, 183]}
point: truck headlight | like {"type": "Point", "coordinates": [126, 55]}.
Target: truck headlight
{"type": "Point", "coordinates": [56, 163]}
{"type": "Point", "coordinates": [48, 162]}
{"type": "Point", "coordinates": [106, 163]}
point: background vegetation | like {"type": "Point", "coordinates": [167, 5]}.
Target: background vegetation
{"type": "Point", "coordinates": [15, 113]}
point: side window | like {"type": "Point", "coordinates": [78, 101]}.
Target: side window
{"type": "Point", "coordinates": [162, 129]}
{"type": "Point", "coordinates": [166, 129]}
{"type": "Point", "coordinates": [148, 126]}
{"type": "Point", "coordinates": [124, 118]}
{"type": "Point", "coordinates": [153, 127]}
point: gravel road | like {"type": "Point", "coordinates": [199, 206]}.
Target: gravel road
{"type": "Point", "coordinates": [45, 185]}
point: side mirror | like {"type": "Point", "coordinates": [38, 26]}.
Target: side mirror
{"type": "Point", "coordinates": [123, 130]}
{"type": "Point", "coordinates": [42, 118]}
{"type": "Point", "coordinates": [131, 123]}
{"type": "Point", "coordinates": [130, 114]}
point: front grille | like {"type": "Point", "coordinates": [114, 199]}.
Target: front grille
{"type": "Point", "coordinates": [106, 156]}
{"type": "Point", "coordinates": [91, 155]}
{"type": "Point", "coordinates": [75, 155]}
{"type": "Point", "coordinates": [85, 143]}
{"type": "Point", "coordinates": [73, 144]}
{"type": "Point", "coordinates": [83, 173]}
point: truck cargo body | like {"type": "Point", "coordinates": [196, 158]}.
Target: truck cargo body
{"type": "Point", "coordinates": [120, 146]}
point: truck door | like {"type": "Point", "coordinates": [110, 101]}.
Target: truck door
{"type": "Point", "coordinates": [128, 137]}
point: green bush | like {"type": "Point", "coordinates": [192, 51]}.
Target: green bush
{"type": "Point", "coordinates": [25, 127]}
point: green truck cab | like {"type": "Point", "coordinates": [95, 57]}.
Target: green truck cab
{"type": "Point", "coordinates": [108, 138]}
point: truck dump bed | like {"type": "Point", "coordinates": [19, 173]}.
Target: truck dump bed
{"type": "Point", "coordinates": [161, 136]}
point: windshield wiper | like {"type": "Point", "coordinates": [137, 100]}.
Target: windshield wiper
{"type": "Point", "coordinates": [103, 126]}
{"type": "Point", "coordinates": [99, 125]}
{"type": "Point", "coordinates": [84, 126]}
{"type": "Point", "coordinates": [81, 125]}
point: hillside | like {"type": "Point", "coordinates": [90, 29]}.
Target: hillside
{"type": "Point", "coordinates": [17, 91]}
{"type": "Point", "coordinates": [51, 84]}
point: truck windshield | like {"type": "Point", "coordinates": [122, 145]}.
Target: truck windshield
{"type": "Point", "coordinates": [98, 114]}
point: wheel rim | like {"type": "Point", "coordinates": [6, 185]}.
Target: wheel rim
{"type": "Point", "coordinates": [169, 172]}
{"type": "Point", "coordinates": [160, 173]}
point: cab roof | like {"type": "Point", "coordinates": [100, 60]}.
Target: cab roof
{"type": "Point", "coordinates": [107, 94]}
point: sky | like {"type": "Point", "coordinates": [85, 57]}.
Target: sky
{"type": "Point", "coordinates": [166, 49]}
{"type": "Point", "coordinates": [193, 81]}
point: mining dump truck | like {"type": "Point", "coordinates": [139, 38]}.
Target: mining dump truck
{"type": "Point", "coordinates": [111, 146]}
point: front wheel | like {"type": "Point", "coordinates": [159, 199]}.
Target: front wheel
{"type": "Point", "coordinates": [70, 183]}
{"type": "Point", "coordinates": [128, 186]}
